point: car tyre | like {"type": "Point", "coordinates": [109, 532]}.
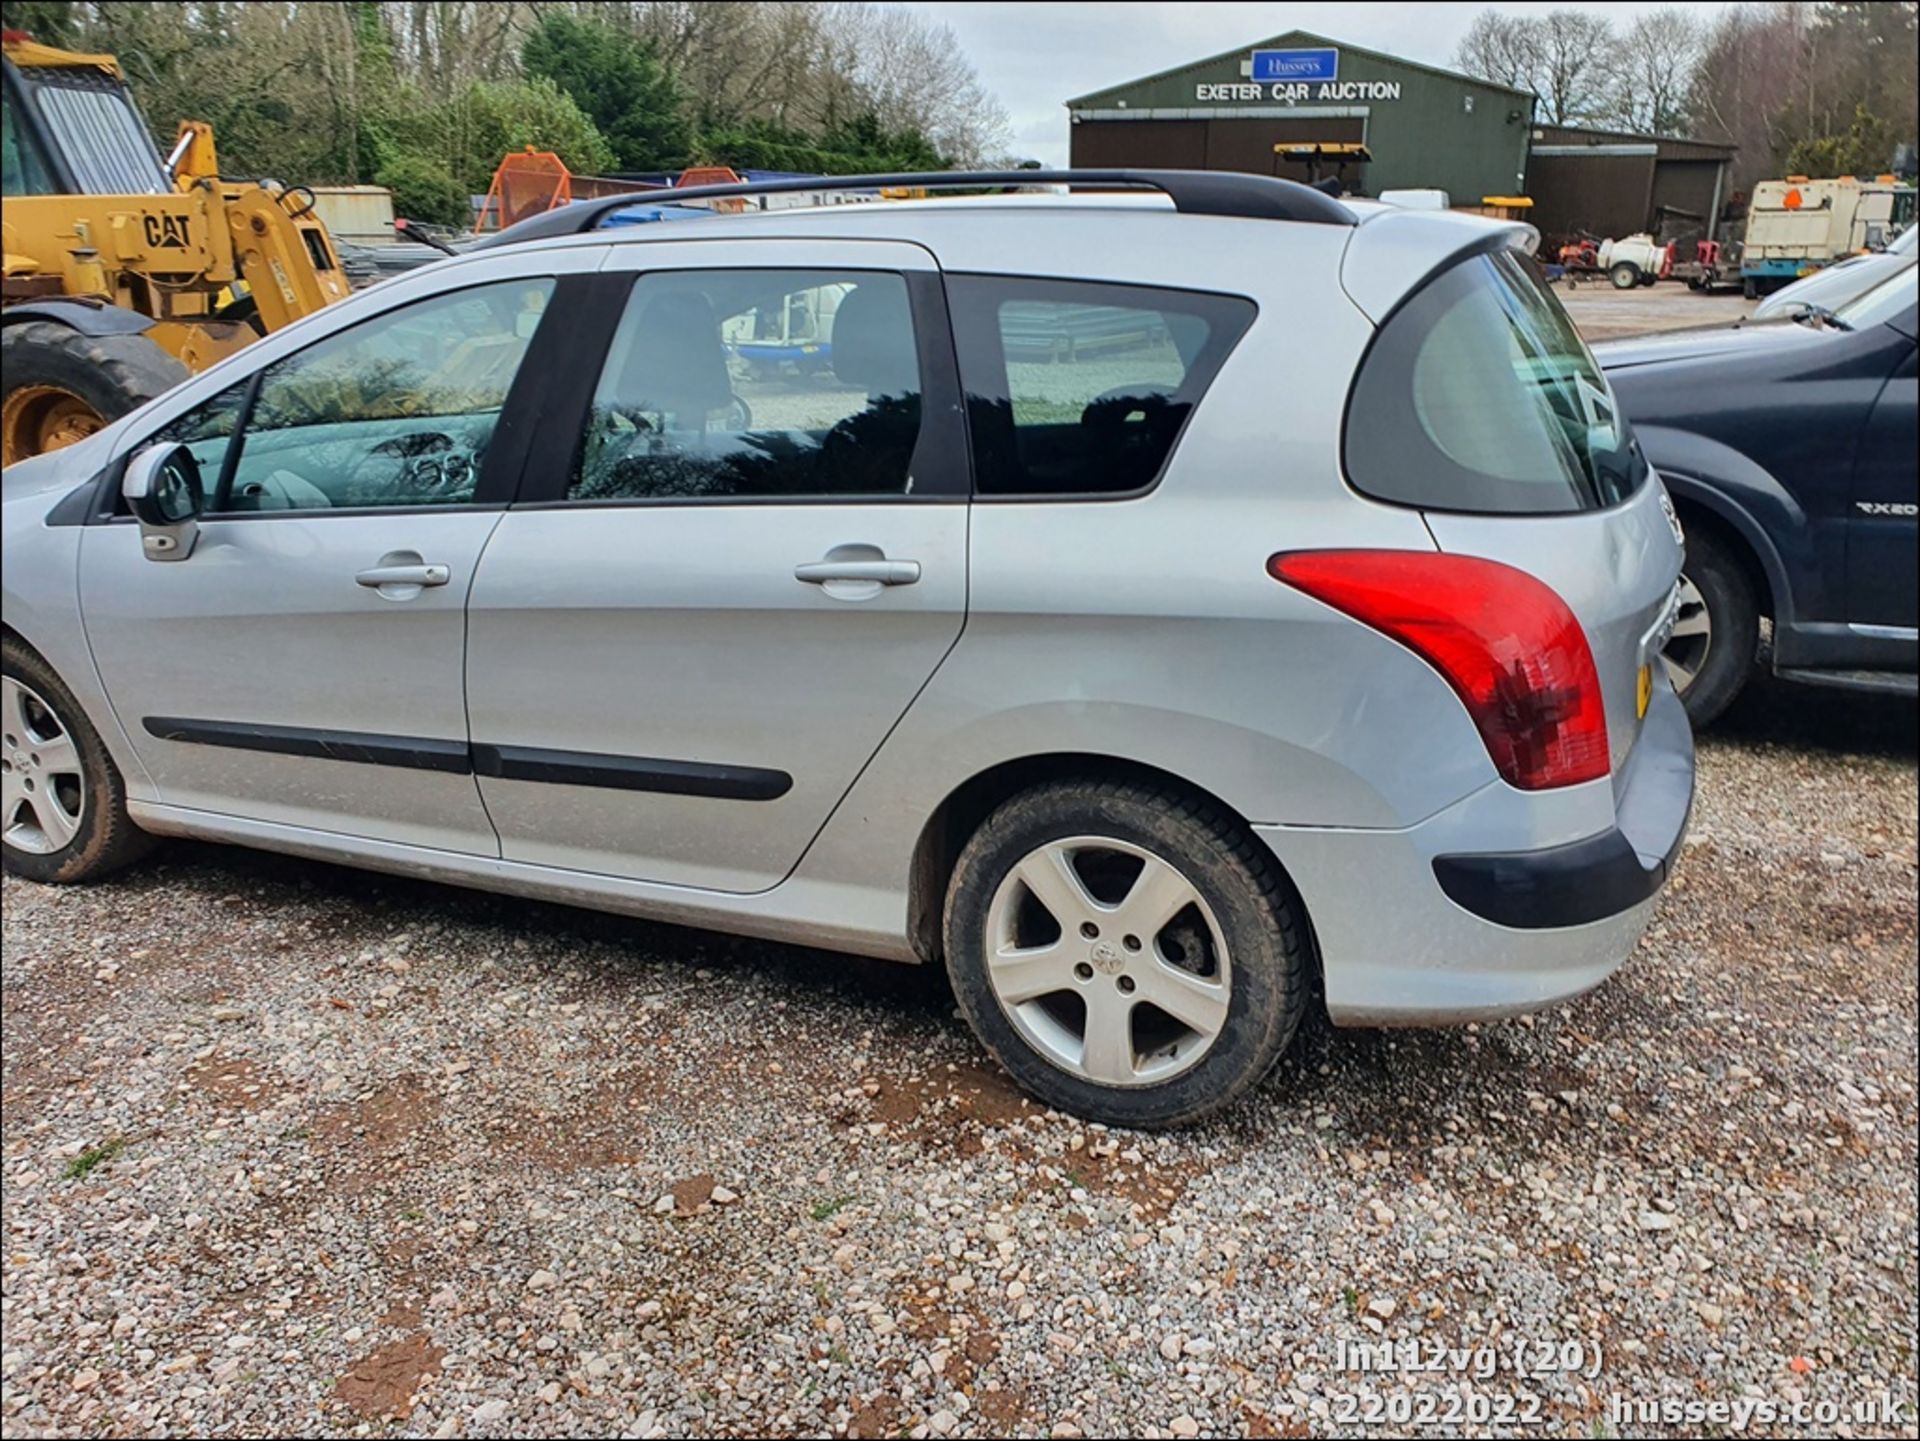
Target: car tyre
{"type": "Point", "coordinates": [1625, 275]}
{"type": "Point", "coordinates": [1236, 956]}
{"type": "Point", "coordinates": [1709, 668]}
{"type": "Point", "coordinates": [65, 813]}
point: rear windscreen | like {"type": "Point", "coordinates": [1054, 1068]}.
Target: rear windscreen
{"type": "Point", "coordinates": [1479, 395]}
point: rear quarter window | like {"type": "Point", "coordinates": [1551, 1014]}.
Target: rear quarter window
{"type": "Point", "coordinates": [1078, 389]}
{"type": "Point", "coordinates": [1478, 394]}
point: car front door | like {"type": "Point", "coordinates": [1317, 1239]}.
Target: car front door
{"type": "Point", "coordinates": [1883, 578]}
{"type": "Point", "coordinates": [732, 566]}
{"type": "Point", "coordinates": [302, 666]}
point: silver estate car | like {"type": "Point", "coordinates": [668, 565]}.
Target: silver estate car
{"type": "Point", "coordinates": [1162, 605]}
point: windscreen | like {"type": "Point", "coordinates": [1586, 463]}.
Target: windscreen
{"type": "Point", "coordinates": [22, 170]}
{"type": "Point", "coordinates": [1479, 395]}
{"type": "Point", "coordinates": [97, 131]}
{"type": "Point", "coordinates": [1882, 303]}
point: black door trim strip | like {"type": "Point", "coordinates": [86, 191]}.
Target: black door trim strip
{"type": "Point", "coordinates": [413, 752]}
{"type": "Point", "coordinates": [631, 773]}
{"type": "Point", "coordinates": [516, 763]}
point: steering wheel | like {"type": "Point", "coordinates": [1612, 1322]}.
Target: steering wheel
{"type": "Point", "coordinates": [446, 474]}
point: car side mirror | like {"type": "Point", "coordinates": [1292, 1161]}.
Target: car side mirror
{"type": "Point", "coordinates": [163, 490]}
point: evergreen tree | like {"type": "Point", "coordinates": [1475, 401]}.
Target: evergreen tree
{"type": "Point", "coordinates": [614, 78]}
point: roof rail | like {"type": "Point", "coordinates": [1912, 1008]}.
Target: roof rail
{"type": "Point", "coordinates": [1193, 192]}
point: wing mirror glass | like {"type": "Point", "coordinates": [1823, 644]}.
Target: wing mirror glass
{"type": "Point", "coordinates": [163, 490]}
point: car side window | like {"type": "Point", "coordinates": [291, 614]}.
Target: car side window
{"type": "Point", "coordinates": [1082, 389]}
{"type": "Point", "coordinates": [206, 430]}
{"type": "Point", "coordinates": [724, 384]}
{"type": "Point", "coordinates": [394, 411]}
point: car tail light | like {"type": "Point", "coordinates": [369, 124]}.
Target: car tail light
{"type": "Point", "coordinates": [1504, 641]}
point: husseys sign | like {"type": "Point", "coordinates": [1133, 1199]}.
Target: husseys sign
{"type": "Point", "coordinates": [1295, 75]}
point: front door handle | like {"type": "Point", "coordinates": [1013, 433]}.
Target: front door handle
{"type": "Point", "coordinates": [878, 572]}
{"type": "Point", "coordinates": [418, 575]}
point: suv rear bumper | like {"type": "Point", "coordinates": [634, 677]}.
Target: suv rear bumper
{"type": "Point", "coordinates": [1431, 925]}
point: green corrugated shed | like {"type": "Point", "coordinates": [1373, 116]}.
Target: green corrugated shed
{"type": "Point", "coordinates": [1425, 127]}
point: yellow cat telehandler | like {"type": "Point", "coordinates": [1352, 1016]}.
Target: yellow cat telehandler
{"type": "Point", "coordinates": [126, 271]}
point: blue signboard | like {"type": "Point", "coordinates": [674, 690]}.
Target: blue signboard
{"type": "Point", "coordinates": [1272, 65]}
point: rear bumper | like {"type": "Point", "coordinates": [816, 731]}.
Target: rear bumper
{"type": "Point", "coordinates": [1433, 925]}
{"type": "Point", "coordinates": [1603, 875]}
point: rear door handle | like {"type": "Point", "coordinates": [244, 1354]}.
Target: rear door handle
{"type": "Point", "coordinates": [882, 572]}
{"type": "Point", "coordinates": [422, 575]}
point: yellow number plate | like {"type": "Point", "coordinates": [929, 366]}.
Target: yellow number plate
{"type": "Point", "coordinates": [1643, 695]}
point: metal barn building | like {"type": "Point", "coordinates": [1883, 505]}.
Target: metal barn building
{"type": "Point", "coordinates": [1420, 126]}
{"type": "Point", "coordinates": [1614, 182]}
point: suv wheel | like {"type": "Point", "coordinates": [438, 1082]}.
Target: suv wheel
{"type": "Point", "coordinates": [63, 807]}
{"type": "Point", "coordinates": [1128, 953]}
{"type": "Point", "coordinates": [1717, 635]}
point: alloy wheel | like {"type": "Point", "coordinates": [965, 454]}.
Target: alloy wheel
{"type": "Point", "coordinates": [1687, 648]}
{"type": "Point", "coordinates": [1108, 961]}
{"type": "Point", "coordinates": [43, 792]}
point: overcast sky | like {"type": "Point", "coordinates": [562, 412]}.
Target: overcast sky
{"type": "Point", "coordinates": [1034, 56]}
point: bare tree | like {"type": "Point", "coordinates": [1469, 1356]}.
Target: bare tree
{"type": "Point", "coordinates": [818, 64]}
{"type": "Point", "coordinates": [1573, 76]}
{"type": "Point", "coordinates": [911, 74]}
{"type": "Point", "coordinates": [1560, 56]}
{"type": "Point", "coordinates": [1652, 71]}
{"type": "Point", "coordinates": [1500, 48]}
{"type": "Point", "coordinates": [446, 43]}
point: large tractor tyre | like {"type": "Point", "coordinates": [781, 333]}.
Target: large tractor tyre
{"type": "Point", "coordinates": [61, 386]}
{"type": "Point", "coordinates": [1624, 275]}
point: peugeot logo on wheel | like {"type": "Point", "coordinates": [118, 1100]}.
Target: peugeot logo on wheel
{"type": "Point", "coordinates": [1107, 958]}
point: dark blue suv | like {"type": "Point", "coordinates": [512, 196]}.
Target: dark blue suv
{"type": "Point", "coordinates": [1789, 449]}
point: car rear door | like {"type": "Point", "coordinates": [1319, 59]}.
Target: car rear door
{"type": "Point", "coordinates": [729, 573]}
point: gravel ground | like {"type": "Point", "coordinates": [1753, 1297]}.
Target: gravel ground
{"type": "Point", "coordinates": [294, 1149]}
{"type": "Point", "coordinates": [1603, 313]}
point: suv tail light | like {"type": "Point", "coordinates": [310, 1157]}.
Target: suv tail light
{"type": "Point", "coordinates": [1504, 641]}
